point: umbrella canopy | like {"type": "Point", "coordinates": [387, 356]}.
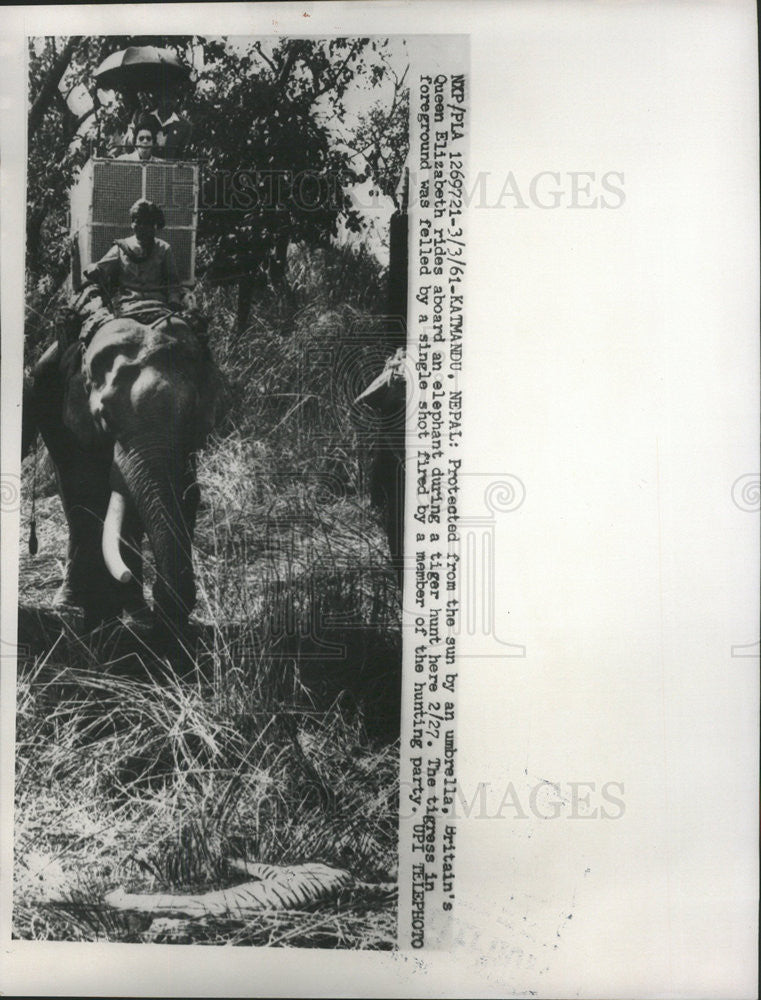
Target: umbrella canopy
{"type": "Point", "coordinates": [141, 67]}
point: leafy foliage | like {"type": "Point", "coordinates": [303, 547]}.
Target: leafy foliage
{"type": "Point", "coordinates": [265, 122]}
{"type": "Point", "coordinates": [382, 139]}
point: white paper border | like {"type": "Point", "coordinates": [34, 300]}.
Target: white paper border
{"type": "Point", "coordinates": [626, 667]}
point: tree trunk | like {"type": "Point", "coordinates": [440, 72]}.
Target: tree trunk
{"type": "Point", "coordinates": [397, 279]}
{"type": "Point", "coordinates": [34, 225]}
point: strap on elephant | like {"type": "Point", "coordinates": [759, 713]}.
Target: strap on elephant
{"type": "Point", "coordinates": [94, 312]}
{"type": "Point", "coordinates": [149, 312]}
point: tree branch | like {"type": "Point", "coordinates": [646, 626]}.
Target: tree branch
{"type": "Point", "coordinates": [293, 54]}
{"type": "Point", "coordinates": [50, 86]}
{"type": "Point", "coordinates": [266, 58]}
{"type": "Point", "coordinates": [334, 77]}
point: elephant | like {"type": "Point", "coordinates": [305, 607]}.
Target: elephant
{"type": "Point", "coordinates": [122, 416]}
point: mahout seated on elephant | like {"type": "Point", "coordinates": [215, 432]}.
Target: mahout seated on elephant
{"type": "Point", "coordinates": [141, 267]}
{"type": "Point", "coordinates": [123, 408]}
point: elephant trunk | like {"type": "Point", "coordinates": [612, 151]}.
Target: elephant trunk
{"type": "Point", "coordinates": [158, 486]}
{"type": "Point", "coordinates": [112, 530]}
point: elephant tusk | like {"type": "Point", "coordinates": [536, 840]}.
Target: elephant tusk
{"type": "Point", "coordinates": [112, 527]}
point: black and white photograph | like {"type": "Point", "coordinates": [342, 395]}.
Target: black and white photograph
{"type": "Point", "coordinates": [379, 499]}
{"type": "Point", "coordinates": [212, 486]}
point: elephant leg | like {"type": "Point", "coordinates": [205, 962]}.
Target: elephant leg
{"type": "Point", "coordinates": [180, 600]}
{"type": "Point", "coordinates": [83, 483]}
{"type": "Point", "coordinates": [78, 480]}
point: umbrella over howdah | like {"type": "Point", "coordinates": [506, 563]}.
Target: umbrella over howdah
{"type": "Point", "coordinates": [141, 67]}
